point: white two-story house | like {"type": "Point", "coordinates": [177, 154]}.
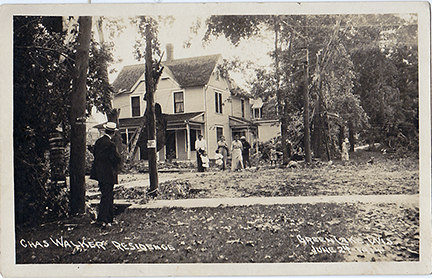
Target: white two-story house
{"type": "Point", "coordinates": [194, 98]}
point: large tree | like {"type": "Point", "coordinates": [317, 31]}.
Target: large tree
{"type": "Point", "coordinates": [387, 82]}
{"type": "Point", "coordinates": [44, 60]}
{"type": "Point", "coordinates": [236, 28]}
{"type": "Point", "coordinates": [339, 86]}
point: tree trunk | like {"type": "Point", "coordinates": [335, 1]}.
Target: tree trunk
{"type": "Point", "coordinates": [284, 135]}
{"type": "Point", "coordinates": [150, 110]}
{"type": "Point", "coordinates": [341, 135]}
{"type": "Point", "coordinates": [307, 144]}
{"type": "Point", "coordinates": [317, 132]}
{"type": "Point", "coordinates": [351, 137]}
{"type": "Point", "coordinates": [78, 118]}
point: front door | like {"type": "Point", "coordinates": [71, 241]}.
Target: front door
{"type": "Point", "coordinates": [181, 144]}
{"type": "Point", "coordinates": [170, 146]}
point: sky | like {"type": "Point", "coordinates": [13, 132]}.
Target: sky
{"type": "Point", "coordinates": [176, 33]}
{"type": "Point", "coordinates": [179, 31]}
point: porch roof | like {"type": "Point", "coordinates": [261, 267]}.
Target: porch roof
{"type": "Point", "coordinates": [196, 117]}
{"type": "Point", "coordinates": [172, 119]}
{"type": "Point", "coordinates": [237, 122]}
{"type": "Point", "coordinates": [180, 121]}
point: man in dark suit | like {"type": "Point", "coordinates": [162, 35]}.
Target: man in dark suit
{"type": "Point", "coordinates": [245, 152]}
{"type": "Point", "coordinates": [105, 171]}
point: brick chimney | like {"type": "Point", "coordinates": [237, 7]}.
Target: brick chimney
{"type": "Point", "coordinates": [169, 52]}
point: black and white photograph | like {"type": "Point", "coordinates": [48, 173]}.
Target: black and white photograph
{"type": "Point", "coordinates": [220, 139]}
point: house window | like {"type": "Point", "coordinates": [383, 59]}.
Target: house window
{"type": "Point", "coordinates": [218, 102]}
{"type": "Point", "coordinates": [243, 108]}
{"type": "Point", "coordinates": [178, 102]}
{"type": "Point", "coordinates": [219, 132]}
{"type": "Point", "coordinates": [136, 109]}
{"type": "Point", "coordinates": [257, 113]}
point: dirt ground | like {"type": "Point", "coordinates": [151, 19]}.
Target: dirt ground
{"type": "Point", "coordinates": [386, 175]}
{"type": "Point", "coordinates": [321, 232]}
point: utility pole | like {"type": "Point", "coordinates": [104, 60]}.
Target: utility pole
{"type": "Point", "coordinates": [150, 114]}
{"type": "Point", "coordinates": [307, 144]}
{"type": "Point", "coordinates": [280, 96]}
{"type": "Point", "coordinates": [78, 118]}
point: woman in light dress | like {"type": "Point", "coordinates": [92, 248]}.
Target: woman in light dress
{"type": "Point", "coordinates": [223, 150]}
{"type": "Point", "coordinates": [236, 154]}
{"type": "Point", "coordinates": [345, 148]}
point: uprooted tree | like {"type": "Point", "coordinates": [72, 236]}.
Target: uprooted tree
{"type": "Point", "coordinates": [361, 75]}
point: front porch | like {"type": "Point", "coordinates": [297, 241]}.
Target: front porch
{"type": "Point", "coordinates": [181, 134]}
{"type": "Point", "coordinates": [243, 127]}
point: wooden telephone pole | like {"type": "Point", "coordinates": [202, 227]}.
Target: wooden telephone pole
{"type": "Point", "coordinates": [77, 118]}
{"type": "Point", "coordinates": [150, 85]}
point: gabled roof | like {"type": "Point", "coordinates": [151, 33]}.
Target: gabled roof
{"type": "Point", "coordinates": [127, 77]}
{"type": "Point", "coordinates": [256, 103]}
{"type": "Point", "coordinates": [189, 72]}
{"type": "Point", "coordinates": [195, 71]}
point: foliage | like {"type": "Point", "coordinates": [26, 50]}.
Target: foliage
{"type": "Point", "coordinates": [40, 93]}
{"type": "Point", "coordinates": [43, 65]}
{"type": "Point", "coordinates": [362, 72]}
{"type": "Point", "coordinates": [140, 23]}
{"type": "Point", "coordinates": [100, 92]}
{"type": "Point", "coordinates": [233, 27]}
{"type": "Point", "coordinates": [388, 86]}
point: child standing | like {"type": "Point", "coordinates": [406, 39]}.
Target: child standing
{"type": "Point", "coordinates": [219, 159]}
{"type": "Point", "coordinates": [273, 156]}
{"type": "Point", "coordinates": [205, 160]}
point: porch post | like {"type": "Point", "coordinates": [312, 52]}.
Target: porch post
{"type": "Point", "coordinates": [188, 147]}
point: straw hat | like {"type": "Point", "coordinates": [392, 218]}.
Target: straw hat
{"type": "Point", "coordinates": [110, 126]}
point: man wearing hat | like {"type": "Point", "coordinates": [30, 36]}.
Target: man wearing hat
{"type": "Point", "coordinates": [245, 152]}
{"type": "Point", "coordinates": [105, 171]}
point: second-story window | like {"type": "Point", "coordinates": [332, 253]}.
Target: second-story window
{"type": "Point", "coordinates": [178, 102]}
{"type": "Point", "coordinates": [243, 108]}
{"type": "Point", "coordinates": [257, 113]}
{"type": "Point", "coordinates": [136, 109]}
{"type": "Point", "coordinates": [218, 102]}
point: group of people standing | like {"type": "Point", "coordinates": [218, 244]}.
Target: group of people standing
{"type": "Point", "coordinates": [107, 162]}
{"type": "Point", "coordinates": [239, 153]}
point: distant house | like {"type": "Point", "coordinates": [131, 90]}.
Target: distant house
{"type": "Point", "coordinates": [268, 125]}
{"type": "Point", "coordinates": [194, 98]}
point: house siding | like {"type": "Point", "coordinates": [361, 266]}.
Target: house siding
{"type": "Point", "coordinates": [215, 120]}
{"type": "Point", "coordinates": [268, 130]}
{"type": "Point", "coordinates": [237, 110]}
{"type": "Point", "coordinates": [196, 99]}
